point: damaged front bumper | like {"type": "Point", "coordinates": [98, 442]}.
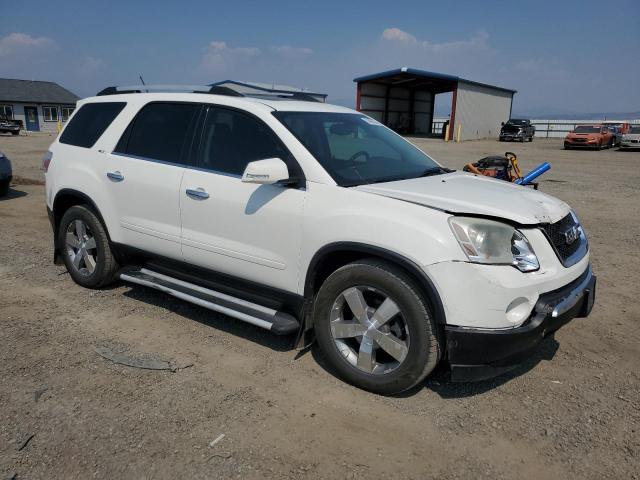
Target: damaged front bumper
{"type": "Point", "coordinates": [478, 354]}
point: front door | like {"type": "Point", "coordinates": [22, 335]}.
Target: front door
{"type": "Point", "coordinates": [242, 229]}
{"type": "Point", "coordinates": [31, 119]}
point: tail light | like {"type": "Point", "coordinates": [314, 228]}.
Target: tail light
{"type": "Point", "coordinates": [46, 160]}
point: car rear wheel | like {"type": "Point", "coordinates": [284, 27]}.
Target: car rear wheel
{"type": "Point", "coordinates": [83, 242]}
{"type": "Point", "coordinates": [375, 328]}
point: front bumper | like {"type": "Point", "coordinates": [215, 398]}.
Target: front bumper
{"type": "Point", "coordinates": [478, 354]}
{"type": "Point", "coordinates": [628, 144]}
{"type": "Point", "coordinates": [511, 136]}
{"type": "Point", "coordinates": [587, 144]}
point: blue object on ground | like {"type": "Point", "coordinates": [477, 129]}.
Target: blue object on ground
{"type": "Point", "coordinates": [533, 174]}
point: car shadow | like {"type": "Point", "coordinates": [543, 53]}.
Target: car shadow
{"type": "Point", "coordinates": [13, 194]}
{"type": "Point", "coordinates": [439, 381]}
{"type": "Point", "coordinates": [210, 318]}
{"type": "Point", "coordinates": [261, 196]}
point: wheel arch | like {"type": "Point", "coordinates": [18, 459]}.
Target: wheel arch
{"type": "Point", "coordinates": [63, 201]}
{"type": "Point", "coordinates": [335, 255]}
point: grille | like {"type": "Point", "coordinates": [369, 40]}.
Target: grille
{"type": "Point", "coordinates": [555, 233]}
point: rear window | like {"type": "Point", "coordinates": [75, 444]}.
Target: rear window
{"type": "Point", "coordinates": [159, 131]}
{"type": "Point", "coordinates": [90, 122]}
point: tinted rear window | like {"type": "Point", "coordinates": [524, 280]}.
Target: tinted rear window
{"type": "Point", "coordinates": [159, 131]}
{"type": "Point", "coordinates": [90, 122]}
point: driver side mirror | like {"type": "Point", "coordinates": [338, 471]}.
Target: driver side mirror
{"type": "Point", "coordinates": [266, 172]}
{"type": "Point", "coordinates": [502, 124]}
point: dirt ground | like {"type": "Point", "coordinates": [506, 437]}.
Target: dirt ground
{"type": "Point", "coordinates": [571, 411]}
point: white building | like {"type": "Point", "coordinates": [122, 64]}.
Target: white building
{"type": "Point", "coordinates": [403, 99]}
{"type": "Point", "coordinates": [39, 105]}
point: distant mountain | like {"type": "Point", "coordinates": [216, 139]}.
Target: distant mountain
{"type": "Point", "coordinates": [580, 116]}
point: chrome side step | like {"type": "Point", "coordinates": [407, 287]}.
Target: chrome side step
{"type": "Point", "coordinates": [278, 322]}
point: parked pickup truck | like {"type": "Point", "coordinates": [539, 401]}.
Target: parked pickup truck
{"type": "Point", "coordinates": [8, 125]}
{"type": "Point", "coordinates": [517, 129]}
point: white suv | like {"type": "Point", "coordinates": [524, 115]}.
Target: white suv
{"type": "Point", "coordinates": [307, 218]}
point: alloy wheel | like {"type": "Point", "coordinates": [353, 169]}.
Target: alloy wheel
{"type": "Point", "coordinates": [369, 330]}
{"type": "Point", "coordinates": [81, 247]}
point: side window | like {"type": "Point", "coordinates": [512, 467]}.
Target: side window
{"type": "Point", "coordinates": [90, 123]}
{"type": "Point", "coordinates": [159, 131]}
{"type": "Point", "coordinates": [50, 113]}
{"type": "Point", "coordinates": [231, 139]}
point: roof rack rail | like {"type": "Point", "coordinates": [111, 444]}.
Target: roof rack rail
{"type": "Point", "coordinates": [216, 90]}
{"type": "Point", "coordinates": [303, 97]}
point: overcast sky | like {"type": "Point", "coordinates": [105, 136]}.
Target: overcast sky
{"type": "Point", "coordinates": [561, 56]}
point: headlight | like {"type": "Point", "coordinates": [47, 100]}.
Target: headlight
{"type": "Point", "coordinates": [495, 243]}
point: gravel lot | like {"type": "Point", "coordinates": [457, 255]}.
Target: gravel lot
{"type": "Point", "coordinates": [572, 411]}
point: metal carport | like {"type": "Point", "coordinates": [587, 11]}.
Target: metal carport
{"type": "Point", "coordinates": [403, 99]}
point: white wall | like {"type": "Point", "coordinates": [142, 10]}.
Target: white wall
{"type": "Point", "coordinates": [480, 111]}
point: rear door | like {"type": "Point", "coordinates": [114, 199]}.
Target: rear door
{"type": "Point", "coordinates": [144, 175]}
{"type": "Point", "coordinates": [242, 229]}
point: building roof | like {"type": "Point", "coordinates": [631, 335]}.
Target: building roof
{"type": "Point", "coordinates": [268, 87]}
{"type": "Point", "coordinates": [413, 77]}
{"type": "Point", "coordinates": [34, 91]}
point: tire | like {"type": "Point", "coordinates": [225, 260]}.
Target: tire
{"type": "Point", "coordinates": [4, 189]}
{"type": "Point", "coordinates": [15, 133]}
{"type": "Point", "coordinates": [530, 139]}
{"type": "Point", "coordinates": [416, 341]}
{"type": "Point", "coordinates": [522, 139]}
{"type": "Point", "coordinates": [95, 265]}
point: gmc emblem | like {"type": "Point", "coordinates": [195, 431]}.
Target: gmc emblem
{"type": "Point", "coordinates": [571, 234]}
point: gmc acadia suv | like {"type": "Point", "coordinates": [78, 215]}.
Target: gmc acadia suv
{"type": "Point", "coordinates": [311, 219]}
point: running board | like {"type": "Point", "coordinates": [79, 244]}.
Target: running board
{"type": "Point", "coordinates": [278, 322]}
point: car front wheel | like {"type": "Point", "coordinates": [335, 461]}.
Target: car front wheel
{"type": "Point", "coordinates": [375, 328]}
{"type": "Point", "coordinates": [83, 242]}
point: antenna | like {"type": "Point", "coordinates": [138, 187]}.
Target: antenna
{"type": "Point", "coordinates": [141, 79]}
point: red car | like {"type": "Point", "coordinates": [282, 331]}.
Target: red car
{"type": "Point", "coordinates": [589, 136]}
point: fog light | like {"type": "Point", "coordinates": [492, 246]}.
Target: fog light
{"type": "Point", "coordinates": [518, 310]}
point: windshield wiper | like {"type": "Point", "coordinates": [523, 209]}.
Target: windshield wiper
{"type": "Point", "coordinates": [434, 171]}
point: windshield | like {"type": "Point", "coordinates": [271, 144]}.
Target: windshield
{"type": "Point", "coordinates": [634, 130]}
{"type": "Point", "coordinates": [515, 121]}
{"type": "Point", "coordinates": [587, 129]}
{"type": "Point", "coordinates": [356, 150]}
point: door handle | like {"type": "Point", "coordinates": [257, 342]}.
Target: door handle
{"type": "Point", "coordinates": [197, 193]}
{"type": "Point", "coordinates": [115, 176]}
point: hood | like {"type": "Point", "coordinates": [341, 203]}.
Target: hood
{"type": "Point", "coordinates": [461, 193]}
{"type": "Point", "coordinates": [582, 135]}
{"type": "Point", "coordinates": [510, 127]}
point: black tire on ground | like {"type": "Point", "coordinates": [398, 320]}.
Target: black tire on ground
{"type": "Point", "coordinates": [531, 138]}
{"type": "Point", "coordinates": [15, 133]}
{"type": "Point", "coordinates": [522, 139]}
{"type": "Point", "coordinates": [105, 263]}
{"type": "Point", "coordinates": [4, 189]}
{"type": "Point", "coordinates": [425, 347]}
